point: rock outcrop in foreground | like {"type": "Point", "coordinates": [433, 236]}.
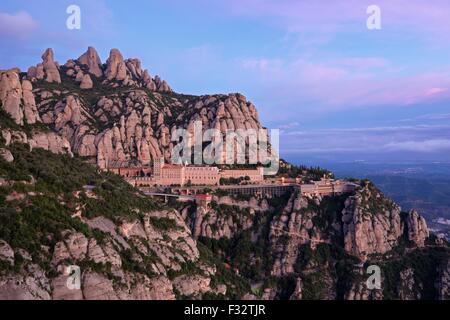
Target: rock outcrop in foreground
{"type": "Point", "coordinates": [117, 283]}
{"type": "Point", "coordinates": [320, 247]}
{"type": "Point", "coordinates": [117, 243]}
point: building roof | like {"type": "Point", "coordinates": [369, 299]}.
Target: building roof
{"type": "Point", "coordinates": [171, 166]}
{"type": "Point", "coordinates": [203, 196]}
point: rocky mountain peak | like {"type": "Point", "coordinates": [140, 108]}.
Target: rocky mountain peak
{"type": "Point", "coordinates": [50, 66]}
{"type": "Point", "coordinates": [115, 54]}
{"type": "Point", "coordinates": [48, 55]}
{"type": "Point", "coordinates": [122, 115]}
{"type": "Point", "coordinates": [116, 68]}
{"type": "Point", "coordinates": [48, 69]}
{"type": "Point", "coordinates": [92, 60]}
{"type": "Point", "coordinates": [417, 229]}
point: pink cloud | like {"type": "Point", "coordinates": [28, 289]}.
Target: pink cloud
{"type": "Point", "coordinates": [324, 19]}
{"type": "Point", "coordinates": [353, 82]}
{"type": "Point", "coordinates": [435, 91]}
{"type": "Point", "coordinates": [361, 63]}
{"type": "Point", "coordinates": [20, 24]}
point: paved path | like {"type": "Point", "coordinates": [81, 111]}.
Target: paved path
{"type": "Point", "coordinates": [169, 195]}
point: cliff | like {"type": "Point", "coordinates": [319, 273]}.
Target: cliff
{"type": "Point", "coordinates": [58, 212]}
{"type": "Point", "coordinates": [312, 247]}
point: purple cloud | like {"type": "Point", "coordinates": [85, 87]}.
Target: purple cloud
{"type": "Point", "coordinates": [18, 25]}
{"type": "Point", "coordinates": [348, 82]}
{"type": "Point", "coordinates": [333, 16]}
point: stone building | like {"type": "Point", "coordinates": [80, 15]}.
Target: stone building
{"type": "Point", "coordinates": [173, 174]}
{"type": "Point", "coordinates": [198, 175]}
{"type": "Point", "coordinates": [130, 170]}
{"type": "Point", "coordinates": [255, 175]}
{"type": "Point", "coordinates": [327, 187]}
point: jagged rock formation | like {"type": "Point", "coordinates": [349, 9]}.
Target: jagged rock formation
{"type": "Point", "coordinates": [135, 121]}
{"type": "Point", "coordinates": [78, 249]}
{"type": "Point", "coordinates": [17, 98]}
{"type": "Point", "coordinates": [116, 68]}
{"type": "Point", "coordinates": [32, 285]}
{"type": "Point", "coordinates": [417, 229]}
{"type": "Point", "coordinates": [169, 255]}
{"type": "Point", "coordinates": [406, 286]}
{"type": "Point", "coordinates": [295, 223]}
{"type": "Point", "coordinates": [359, 290]}
{"type": "Point", "coordinates": [46, 140]}
{"type": "Point", "coordinates": [86, 82]}
{"type": "Point", "coordinates": [443, 282]}
{"type": "Point", "coordinates": [225, 218]}
{"type": "Point", "coordinates": [303, 239]}
{"type": "Point", "coordinates": [297, 244]}
{"type": "Point", "coordinates": [6, 155]}
{"type": "Point", "coordinates": [6, 252]}
{"type": "Point", "coordinates": [371, 223]}
{"type": "Point", "coordinates": [297, 294]}
{"type": "Point", "coordinates": [48, 69]}
{"type": "Point", "coordinates": [91, 59]}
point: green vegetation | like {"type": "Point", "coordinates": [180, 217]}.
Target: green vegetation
{"type": "Point", "coordinates": [328, 211]}
{"type": "Point", "coordinates": [250, 255]}
{"type": "Point", "coordinates": [131, 265]}
{"type": "Point", "coordinates": [187, 268]}
{"type": "Point", "coordinates": [60, 176]}
{"type": "Point", "coordinates": [47, 189]}
{"type": "Point", "coordinates": [317, 267]}
{"type": "Point", "coordinates": [238, 196]}
{"type": "Point", "coordinates": [313, 265]}
{"type": "Point", "coordinates": [237, 285]}
{"type": "Point", "coordinates": [34, 212]}
{"type": "Point", "coordinates": [230, 210]}
{"type": "Point", "coordinates": [307, 173]}
{"type": "Point", "coordinates": [7, 122]}
{"type": "Point", "coordinates": [233, 181]}
{"type": "Point", "coordinates": [424, 263]}
{"type": "Point", "coordinates": [163, 223]}
{"type": "Point", "coordinates": [372, 203]}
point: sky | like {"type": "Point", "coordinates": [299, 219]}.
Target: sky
{"type": "Point", "coordinates": [336, 90]}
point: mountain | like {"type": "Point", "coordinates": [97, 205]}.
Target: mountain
{"type": "Point", "coordinates": [423, 186]}
{"type": "Point", "coordinates": [114, 112]}
{"type": "Point", "coordinates": [65, 221]}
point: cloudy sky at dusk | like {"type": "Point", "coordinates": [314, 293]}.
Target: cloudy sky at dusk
{"type": "Point", "coordinates": [337, 90]}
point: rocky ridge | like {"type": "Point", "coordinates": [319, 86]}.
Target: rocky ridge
{"type": "Point", "coordinates": [308, 237]}
{"type": "Point", "coordinates": [115, 112]}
